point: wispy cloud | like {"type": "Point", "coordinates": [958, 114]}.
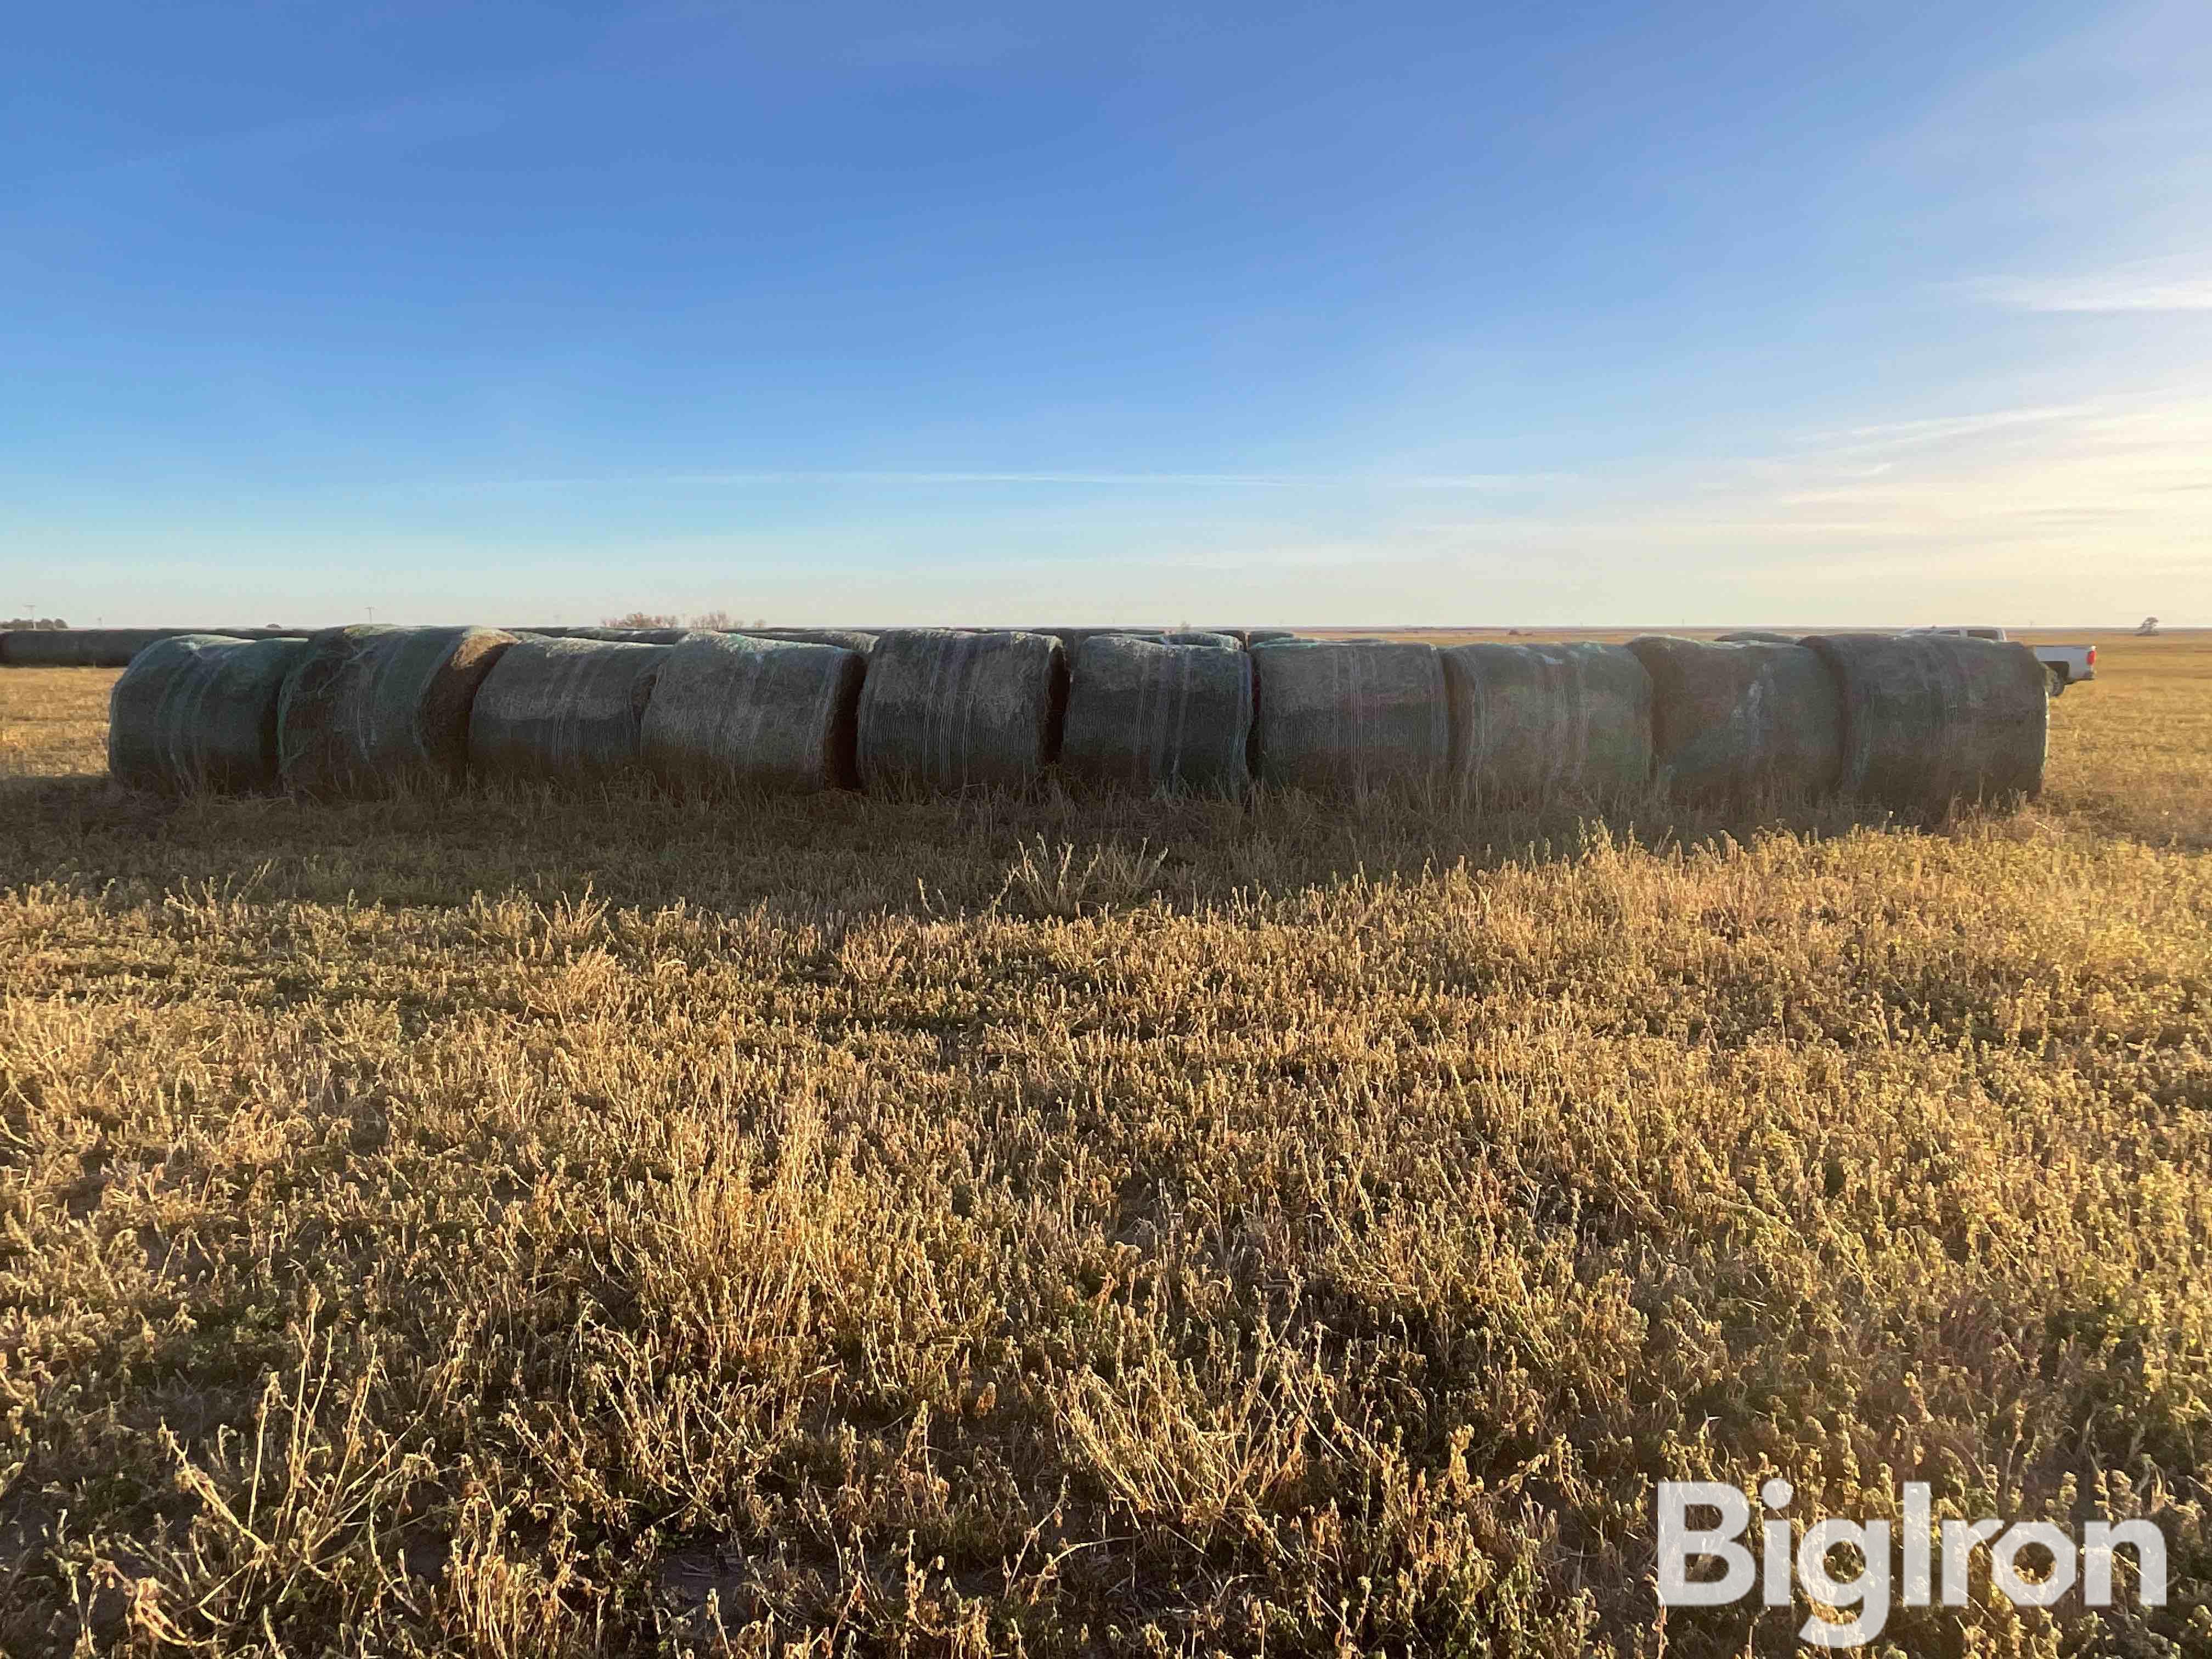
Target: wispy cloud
{"type": "Point", "coordinates": [891, 479]}
{"type": "Point", "coordinates": [2163, 285]}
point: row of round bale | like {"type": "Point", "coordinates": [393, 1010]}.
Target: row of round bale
{"type": "Point", "coordinates": [1910, 723]}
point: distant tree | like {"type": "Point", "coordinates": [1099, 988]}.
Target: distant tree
{"type": "Point", "coordinates": [2149, 626]}
{"type": "Point", "coordinates": [49, 623]}
{"type": "Point", "coordinates": [715, 622]}
{"type": "Point", "coordinates": [641, 619]}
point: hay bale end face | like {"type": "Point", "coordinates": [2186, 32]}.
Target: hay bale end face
{"type": "Point", "coordinates": [370, 708]}
{"type": "Point", "coordinates": [1539, 722]}
{"type": "Point", "coordinates": [730, 711]}
{"type": "Point", "coordinates": [198, 711]}
{"type": "Point", "coordinates": [1147, 715]}
{"type": "Point", "coordinates": [946, 710]}
{"type": "Point", "coordinates": [1742, 724]}
{"type": "Point", "coordinates": [1933, 719]}
{"type": "Point", "coordinates": [563, 710]}
{"type": "Point", "coordinates": [1346, 716]}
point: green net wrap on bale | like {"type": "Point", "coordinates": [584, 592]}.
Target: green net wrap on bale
{"type": "Point", "coordinates": [1934, 718]}
{"type": "Point", "coordinates": [1741, 723]}
{"type": "Point", "coordinates": [1533, 722]}
{"type": "Point", "coordinates": [735, 712]}
{"type": "Point", "coordinates": [946, 710]}
{"type": "Point", "coordinates": [563, 710]}
{"type": "Point", "coordinates": [1343, 715]}
{"type": "Point", "coordinates": [1147, 715]}
{"type": "Point", "coordinates": [371, 708]}
{"type": "Point", "coordinates": [198, 711]}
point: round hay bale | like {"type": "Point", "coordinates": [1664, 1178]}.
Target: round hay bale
{"type": "Point", "coordinates": [734, 711]}
{"type": "Point", "coordinates": [1534, 722]}
{"type": "Point", "coordinates": [568, 710]}
{"type": "Point", "coordinates": [1344, 716]}
{"type": "Point", "coordinates": [1267, 635]}
{"type": "Point", "coordinates": [1757, 637]}
{"type": "Point", "coordinates": [1741, 723]}
{"type": "Point", "coordinates": [198, 711]}
{"type": "Point", "coordinates": [1930, 720]}
{"type": "Point", "coordinates": [946, 710]}
{"type": "Point", "coordinates": [1144, 714]}
{"type": "Point", "coordinates": [370, 708]}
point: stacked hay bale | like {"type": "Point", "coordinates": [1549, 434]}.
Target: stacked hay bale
{"type": "Point", "coordinates": [1744, 725]}
{"type": "Point", "coordinates": [730, 711]}
{"type": "Point", "coordinates": [1149, 715]}
{"type": "Point", "coordinates": [563, 710]}
{"type": "Point", "coordinates": [198, 711]}
{"type": "Point", "coordinates": [946, 710]}
{"type": "Point", "coordinates": [370, 708]}
{"type": "Point", "coordinates": [1546, 722]}
{"type": "Point", "coordinates": [1347, 716]}
{"type": "Point", "coordinates": [1930, 720]}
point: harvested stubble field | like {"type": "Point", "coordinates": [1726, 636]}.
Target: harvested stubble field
{"type": "Point", "coordinates": [501, 1225]}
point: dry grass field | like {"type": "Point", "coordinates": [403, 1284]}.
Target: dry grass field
{"type": "Point", "coordinates": [501, 1225]}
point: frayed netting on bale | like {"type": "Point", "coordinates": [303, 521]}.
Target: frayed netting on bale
{"type": "Point", "coordinates": [1742, 724]}
{"type": "Point", "coordinates": [1147, 715]}
{"type": "Point", "coordinates": [1343, 715]}
{"type": "Point", "coordinates": [945, 710]}
{"type": "Point", "coordinates": [735, 712]}
{"type": "Point", "coordinates": [371, 708]}
{"type": "Point", "coordinates": [198, 711]}
{"type": "Point", "coordinates": [1931, 719]}
{"type": "Point", "coordinates": [1539, 722]}
{"type": "Point", "coordinates": [563, 710]}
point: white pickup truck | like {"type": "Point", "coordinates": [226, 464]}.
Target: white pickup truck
{"type": "Point", "coordinates": [2063, 664]}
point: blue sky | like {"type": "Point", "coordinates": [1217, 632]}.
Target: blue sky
{"type": "Point", "coordinates": [1850, 314]}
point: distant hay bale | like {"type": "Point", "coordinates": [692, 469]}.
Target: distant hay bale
{"type": "Point", "coordinates": [945, 710]}
{"type": "Point", "coordinates": [1147, 715]}
{"type": "Point", "coordinates": [631, 635]}
{"type": "Point", "coordinates": [1267, 635]}
{"type": "Point", "coordinates": [198, 711]}
{"type": "Point", "coordinates": [1930, 720]}
{"type": "Point", "coordinates": [1741, 723]}
{"type": "Point", "coordinates": [733, 711]}
{"type": "Point", "coordinates": [1757, 637]}
{"type": "Point", "coordinates": [1534, 722]}
{"type": "Point", "coordinates": [563, 710]}
{"type": "Point", "coordinates": [1211, 638]}
{"type": "Point", "coordinates": [83, 648]}
{"type": "Point", "coordinates": [845, 639]}
{"type": "Point", "coordinates": [1346, 716]}
{"type": "Point", "coordinates": [370, 708]}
